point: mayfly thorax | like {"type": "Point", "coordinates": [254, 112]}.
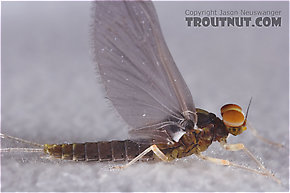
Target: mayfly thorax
{"type": "Point", "coordinates": [147, 90]}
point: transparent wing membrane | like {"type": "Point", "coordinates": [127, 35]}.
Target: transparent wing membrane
{"type": "Point", "coordinates": [137, 69]}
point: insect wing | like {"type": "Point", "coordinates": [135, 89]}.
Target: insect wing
{"type": "Point", "coordinates": [137, 69]}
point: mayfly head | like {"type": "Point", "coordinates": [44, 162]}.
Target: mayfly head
{"type": "Point", "coordinates": [234, 118]}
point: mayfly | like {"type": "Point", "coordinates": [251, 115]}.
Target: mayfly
{"type": "Point", "coordinates": [148, 91]}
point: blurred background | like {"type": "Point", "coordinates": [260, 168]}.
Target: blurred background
{"type": "Point", "coordinates": [51, 94]}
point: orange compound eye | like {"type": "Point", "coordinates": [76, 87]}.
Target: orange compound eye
{"type": "Point", "coordinates": [232, 115]}
{"type": "Point", "coordinates": [233, 118]}
{"type": "Point", "coordinates": [228, 107]}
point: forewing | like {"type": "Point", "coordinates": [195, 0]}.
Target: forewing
{"type": "Point", "coordinates": [137, 69]}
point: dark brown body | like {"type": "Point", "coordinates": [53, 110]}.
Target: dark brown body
{"type": "Point", "coordinates": [211, 128]}
{"type": "Point", "coordinates": [98, 151]}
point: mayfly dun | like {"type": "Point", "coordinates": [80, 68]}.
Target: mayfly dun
{"type": "Point", "coordinates": [147, 90]}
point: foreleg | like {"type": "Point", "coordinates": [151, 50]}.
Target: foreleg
{"type": "Point", "coordinates": [228, 163]}
{"type": "Point", "coordinates": [240, 146]}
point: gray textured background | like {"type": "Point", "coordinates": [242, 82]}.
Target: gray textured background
{"type": "Point", "coordinates": [50, 94]}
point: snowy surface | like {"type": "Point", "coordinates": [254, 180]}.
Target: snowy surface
{"type": "Point", "coordinates": [51, 94]}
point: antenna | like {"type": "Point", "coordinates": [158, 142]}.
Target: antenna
{"type": "Point", "coordinates": [248, 108]}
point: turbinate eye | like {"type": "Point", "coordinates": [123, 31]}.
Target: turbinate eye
{"type": "Point", "coordinates": [232, 115]}
{"type": "Point", "coordinates": [228, 107]}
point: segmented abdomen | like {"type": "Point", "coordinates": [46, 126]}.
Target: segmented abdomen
{"type": "Point", "coordinates": [98, 151]}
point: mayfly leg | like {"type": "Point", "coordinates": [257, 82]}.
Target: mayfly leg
{"type": "Point", "coordinates": [255, 133]}
{"type": "Point", "coordinates": [153, 148]}
{"type": "Point", "coordinates": [21, 141]}
{"type": "Point", "coordinates": [240, 146]}
{"type": "Point", "coordinates": [228, 163]}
